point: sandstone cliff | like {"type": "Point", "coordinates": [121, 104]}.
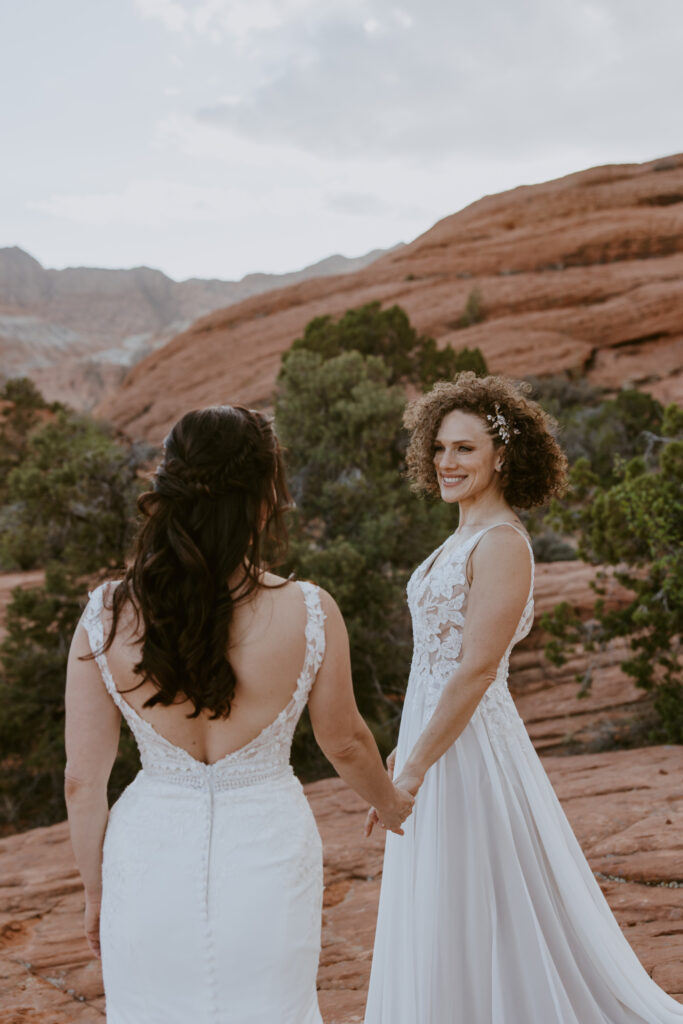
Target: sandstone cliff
{"type": "Point", "coordinates": [583, 274]}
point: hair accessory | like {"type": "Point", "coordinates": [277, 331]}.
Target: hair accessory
{"type": "Point", "coordinates": [500, 425]}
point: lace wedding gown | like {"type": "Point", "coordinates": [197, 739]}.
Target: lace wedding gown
{"type": "Point", "coordinates": [212, 874]}
{"type": "Point", "coordinates": [489, 912]}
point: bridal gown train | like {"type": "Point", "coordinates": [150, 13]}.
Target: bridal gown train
{"type": "Point", "coordinates": [212, 874]}
{"type": "Point", "coordinates": [489, 912]}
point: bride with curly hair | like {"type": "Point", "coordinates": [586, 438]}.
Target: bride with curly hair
{"type": "Point", "coordinates": [489, 912]}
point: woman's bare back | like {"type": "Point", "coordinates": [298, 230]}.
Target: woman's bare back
{"type": "Point", "coordinates": [267, 651]}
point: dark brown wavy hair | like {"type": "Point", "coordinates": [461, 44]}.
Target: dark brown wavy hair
{"type": "Point", "coordinates": [534, 466]}
{"type": "Point", "coordinates": [218, 499]}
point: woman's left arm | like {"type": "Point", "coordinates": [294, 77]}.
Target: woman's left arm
{"type": "Point", "coordinates": [93, 724]}
{"type": "Point", "coordinates": [501, 577]}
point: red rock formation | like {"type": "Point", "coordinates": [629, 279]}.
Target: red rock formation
{"type": "Point", "coordinates": [625, 807]}
{"type": "Point", "coordinates": [76, 331]}
{"type": "Point", "coordinates": [584, 274]}
{"type": "Point", "coordinates": [546, 696]}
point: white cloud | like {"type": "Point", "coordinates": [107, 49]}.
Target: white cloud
{"type": "Point", "coordinates": [404, 19]}
{"type": "Point", "coordinates": [265, 134]}
{"type": "Point", "coordinates": [372, 26]}
{"type": "Point", "coordinates": [170, 13]}
{"type": "Point", "coordinates": [598, 15]}
{"type": "Point", "coordinates": [239, 19]}
{"type": "Point", "coordinates": [146, 203]}
{"type": "Point", "coordinates": [494, 78]}
{"type": "Point", "coordinates": [367, 204]}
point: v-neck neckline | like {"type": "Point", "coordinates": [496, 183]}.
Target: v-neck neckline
{"type": "Point", "coordinates": [439, 551]}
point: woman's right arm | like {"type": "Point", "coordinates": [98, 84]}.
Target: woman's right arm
{"type": "Point", "coordinates": [341, 732]}
{"type": "Point", "coordinates": [92, 736]}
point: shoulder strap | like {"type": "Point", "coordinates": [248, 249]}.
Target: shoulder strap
{"type": "Point", "coordinates": [315, 634]}
{"type": "Point", "coordinates": [492, 526]}
{"type": "Point", "coordinates": [94, 627]}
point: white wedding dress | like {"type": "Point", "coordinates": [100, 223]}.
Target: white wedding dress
{"type": "Point", "coordinates": [489, 912]}
{"type": "Point", "coordinates": [212, 874]}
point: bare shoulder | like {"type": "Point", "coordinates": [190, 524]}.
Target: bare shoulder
{"type": "Point", "coordinates": [272, 580]}
{"type": "Point", "coordinates": [502, 555]}
{"type": "Point", "coordinates": [331, 610]}
{"type": "Point", "coordinates": [289, 590]}
{"type": "Point", "coordinates": [498, 534]}
{"type": "Point", "coordinates": [277, 588]}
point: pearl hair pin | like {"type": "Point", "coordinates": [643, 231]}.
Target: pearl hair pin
{"type": "Point", "coordinates": [500, 425]}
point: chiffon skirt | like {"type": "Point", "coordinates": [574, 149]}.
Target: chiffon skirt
{"type": "Point", "coordinates": [489, 912]}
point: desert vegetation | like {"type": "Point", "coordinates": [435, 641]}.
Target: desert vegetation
{"type": "Point", "coordinates": [629, 517]}
{"type": "Point", "coordinates": [68, 486]}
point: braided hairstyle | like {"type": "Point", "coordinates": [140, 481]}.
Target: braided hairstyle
{"type": "Point", "coordinates": [218, 497]}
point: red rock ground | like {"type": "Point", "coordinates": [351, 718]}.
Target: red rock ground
{"type": "Point", "coordinates": [583, 274]}
{"type": "Point", "coordinates": [625, 806]}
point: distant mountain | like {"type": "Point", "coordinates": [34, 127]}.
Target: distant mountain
{"type": "Point", "coordinates": [583, 274]}
{"type": "Point", "coordinates": [77, 331]}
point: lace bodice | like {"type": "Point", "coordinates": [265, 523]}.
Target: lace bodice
{"type": "Point", "coordinates": [264, 757]}
{"type": "Point", "coordinates": [437, 598]}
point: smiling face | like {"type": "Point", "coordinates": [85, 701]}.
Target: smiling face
{"type": "Point", "coordinates": [465, 458]}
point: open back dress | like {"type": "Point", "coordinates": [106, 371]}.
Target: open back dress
{"type": "Point", "coordinates": [212, 873]}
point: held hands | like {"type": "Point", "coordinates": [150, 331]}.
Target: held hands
{"type": "Point", "coordinates": [405, 788]}
{"type": "Point", "coordinates": [391, 817]}
{"type": "Point", "coordinates": [410, 779]}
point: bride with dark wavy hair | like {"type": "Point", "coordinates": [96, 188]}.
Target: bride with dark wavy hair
{"type": "Point", "coordinates": [204, 881]}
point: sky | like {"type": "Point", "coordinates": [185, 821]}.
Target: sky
{"type": "Point", "coordinates": [214, 138]}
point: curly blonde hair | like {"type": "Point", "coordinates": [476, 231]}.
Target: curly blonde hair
{"type": "Point", "coordinates": [534, 467]}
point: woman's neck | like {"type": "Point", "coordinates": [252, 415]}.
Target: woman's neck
{"type": "Point", "coordinates": [475, 514]}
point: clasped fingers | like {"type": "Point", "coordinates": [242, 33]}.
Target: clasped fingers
{"type": "Point", "coordinates": [393, 816]}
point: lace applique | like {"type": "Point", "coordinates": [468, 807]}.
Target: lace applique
{"type": "Point", "coordinates": [437, 598]}
{"type": "Point", "coordinates": [263, 758]}
{"type": "Point", "coordinates": [498, 710]}
{"type": "Point", "coordinates": [306, 860]}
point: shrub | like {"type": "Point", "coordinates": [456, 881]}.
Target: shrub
{"type": "Point", "coordinates": [409, 357]}
{"type": "Point", "coordinates": [357, 530]}
{"type": "Point", "coordinates": [473, 312]}
{"type": "Point", "coordinates": [71, 497]}
{"type": "Point", "coordinates": [634, 524]}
